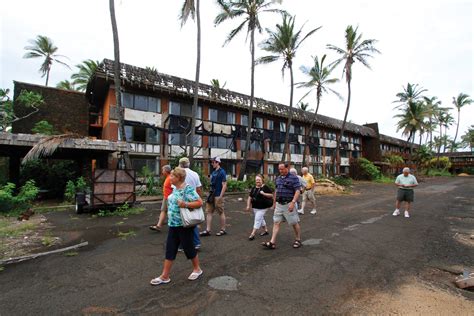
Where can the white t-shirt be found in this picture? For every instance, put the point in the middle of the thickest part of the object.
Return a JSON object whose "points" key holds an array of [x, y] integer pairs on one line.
{"points": [[408, 180], [192, 178]]}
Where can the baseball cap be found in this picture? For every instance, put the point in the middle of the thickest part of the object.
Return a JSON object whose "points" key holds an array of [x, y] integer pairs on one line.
{"points": [[184, 160], [216, 159]]}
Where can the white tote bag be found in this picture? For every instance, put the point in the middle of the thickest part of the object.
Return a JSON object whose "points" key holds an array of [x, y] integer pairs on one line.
{"points": [[191, 216]]}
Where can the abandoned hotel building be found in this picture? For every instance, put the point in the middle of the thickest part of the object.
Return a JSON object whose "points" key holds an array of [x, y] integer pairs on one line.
{"points": [[157, 112]]}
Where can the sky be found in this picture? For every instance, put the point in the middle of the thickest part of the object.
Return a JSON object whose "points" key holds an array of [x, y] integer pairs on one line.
{"points": [[423, 42]]}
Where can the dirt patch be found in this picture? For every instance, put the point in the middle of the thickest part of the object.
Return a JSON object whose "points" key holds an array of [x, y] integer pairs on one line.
{"points": [[466, 239], [414, 297], [18, 238]]}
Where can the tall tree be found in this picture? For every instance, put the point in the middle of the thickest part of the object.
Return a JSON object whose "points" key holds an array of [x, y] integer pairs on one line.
{"points": [[432, 106], [304, 106], [117, 74], [85, 70], [461, 100], [191, 9], [43, 47], [283, 44], [318, 81], [467, 140], [250, 10], [356, 50]]}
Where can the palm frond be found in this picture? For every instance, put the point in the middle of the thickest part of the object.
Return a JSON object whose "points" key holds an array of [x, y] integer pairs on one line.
{"points": [[187, 10], [47, 146]]}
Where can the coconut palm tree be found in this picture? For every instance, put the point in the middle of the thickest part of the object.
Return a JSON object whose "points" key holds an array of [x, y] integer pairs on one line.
{"points": [[191, 9], [67, 85], [432, 106], [303, 106], [411, 120], [467, 140], [43, 47], [118, 94], [85, 71], [216, 84], [283, 44], [250, 10], [461, 100], [356, 50], [318, 81]]}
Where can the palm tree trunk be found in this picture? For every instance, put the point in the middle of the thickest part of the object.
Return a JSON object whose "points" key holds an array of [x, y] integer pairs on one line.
{"points": [[196, 84], [338, 143], [118, 97], [243, 166], [431, 134], [457, 129], [310, 133], [286, 149], [47, 77]]}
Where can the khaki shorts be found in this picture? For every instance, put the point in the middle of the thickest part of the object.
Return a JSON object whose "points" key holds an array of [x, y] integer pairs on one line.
{"points": [[281, 212], [218, 206], [309, 195]]}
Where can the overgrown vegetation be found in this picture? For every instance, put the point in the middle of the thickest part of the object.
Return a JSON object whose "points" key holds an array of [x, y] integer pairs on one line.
{"points": [[43, 127], [9, 230], [11, 203], [73, 188], [150, 183], [368, 169], [342, 180], [124, 211]]}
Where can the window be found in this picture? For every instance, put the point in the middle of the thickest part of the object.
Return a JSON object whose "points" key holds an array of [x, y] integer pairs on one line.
{"points": [[271, 168], [180, 139], [139, 164], [316, 133], [356, 140], [277, 147], [141, 102], [282, 127], [221, 116], [257, 122], [142, 134], [219, 142], [296, 129], [355, 154], [345, 138], [184, 109], [256, 146], [244, 120], [295, 149], [331, 135], [270, 124], [329, 152], [228, 167]]}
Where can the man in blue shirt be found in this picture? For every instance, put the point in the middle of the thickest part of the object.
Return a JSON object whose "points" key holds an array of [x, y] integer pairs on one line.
{"points": [[286, 194], [215, 201]]}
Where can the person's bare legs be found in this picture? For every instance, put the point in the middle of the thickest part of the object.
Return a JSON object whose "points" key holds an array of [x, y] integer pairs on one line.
{"points": [[397, 205], [161, 219], [297, 229], [276, 229], [407, 206], [222, 216], [165, 274], [195, 262]]}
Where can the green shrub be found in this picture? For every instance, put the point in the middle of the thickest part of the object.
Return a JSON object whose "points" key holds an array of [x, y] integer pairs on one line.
{"points": [[394, 159], [384, 179], [441, 163], [270, 184], [206, 183], [43, 127], [150, 182], [369, 169], [73, 188], [438, 173], [23, 200], [236, 186], [342, 180]]}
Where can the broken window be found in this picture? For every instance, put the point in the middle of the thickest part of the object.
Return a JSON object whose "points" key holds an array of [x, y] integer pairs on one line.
{"points": [[141, 102], [244, 120], [220, 142], [142, 134], [184, 109]]}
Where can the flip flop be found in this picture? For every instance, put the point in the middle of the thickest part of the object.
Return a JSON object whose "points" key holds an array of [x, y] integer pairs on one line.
{"points": [[158, 281], [195, 275], [269, 245], [205, 233], [297, 244], [154, 227], [221, 233], [264, 234]]}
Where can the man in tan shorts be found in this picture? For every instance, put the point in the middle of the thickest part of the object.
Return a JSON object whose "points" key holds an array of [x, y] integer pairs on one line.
{"points": [[215, 200], [308, 193]]}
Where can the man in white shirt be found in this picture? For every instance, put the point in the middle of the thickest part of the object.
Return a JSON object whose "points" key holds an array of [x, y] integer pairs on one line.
{"points": [[192, 178], [405, 182]]}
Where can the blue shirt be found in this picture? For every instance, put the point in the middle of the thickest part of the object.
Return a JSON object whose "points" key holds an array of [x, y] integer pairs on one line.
{"points": [[286, 186], [187, 194], [217, 177]]}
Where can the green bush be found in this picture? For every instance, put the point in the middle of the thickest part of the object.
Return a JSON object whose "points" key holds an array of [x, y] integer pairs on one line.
{"points": [[206, 183], [236, 186], [73, 188], [438, 173], [150, 182], [441, 163], [342, 180], [369, 169], [44, 128], [23, 200]]}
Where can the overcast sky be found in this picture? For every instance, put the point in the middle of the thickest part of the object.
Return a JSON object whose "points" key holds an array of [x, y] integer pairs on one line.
{"points": [[424, 42]]}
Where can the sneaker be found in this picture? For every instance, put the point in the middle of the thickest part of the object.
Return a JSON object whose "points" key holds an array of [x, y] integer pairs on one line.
{"points": [[301, 212], [396, 212], [313, 211], [407, 214], [197, 247]]}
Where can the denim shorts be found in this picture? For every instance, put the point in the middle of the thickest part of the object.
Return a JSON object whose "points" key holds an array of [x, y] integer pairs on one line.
{"points": [[281, 212]]}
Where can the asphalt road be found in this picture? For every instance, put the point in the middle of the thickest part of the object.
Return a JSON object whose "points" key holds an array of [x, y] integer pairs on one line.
{"points": [[357, 244]]}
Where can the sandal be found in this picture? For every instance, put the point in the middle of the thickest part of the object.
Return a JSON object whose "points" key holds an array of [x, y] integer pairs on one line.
{"points": [[268, 245], [297, 244], [158, 281], [221, 233], [251, 237], [264, 234], [205, 233], [195, 275], [155, 228]]}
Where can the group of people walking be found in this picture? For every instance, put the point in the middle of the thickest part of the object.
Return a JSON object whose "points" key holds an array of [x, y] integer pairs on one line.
{"points": [[183, 189]]}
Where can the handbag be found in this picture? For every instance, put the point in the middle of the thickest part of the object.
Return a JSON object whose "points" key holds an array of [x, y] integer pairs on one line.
{"points": [[191, 217]]}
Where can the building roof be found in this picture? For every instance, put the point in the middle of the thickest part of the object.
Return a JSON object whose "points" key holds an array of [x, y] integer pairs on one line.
{"points": [[395, 141], [156, 81]]}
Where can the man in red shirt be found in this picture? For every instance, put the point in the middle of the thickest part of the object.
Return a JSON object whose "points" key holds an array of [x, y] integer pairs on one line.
{"points": [[167, 190]]}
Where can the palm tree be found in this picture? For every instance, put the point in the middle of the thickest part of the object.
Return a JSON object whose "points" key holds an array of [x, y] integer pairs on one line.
{"points": [[318, 81], [118, 94], [356, 50], [85, 71], [191, 8], [445, 119], [250, 10], [432, 106], [67, 85], [217, 85], [461, 100], [411, 120], [467, 140], [43, 47], [283, 44], [303, 106]]}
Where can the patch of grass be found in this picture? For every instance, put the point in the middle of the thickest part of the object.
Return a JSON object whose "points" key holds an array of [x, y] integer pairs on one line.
{"points": [[71, 254], [384, 179], [120, 223], [9, 229], [125, 235], [47, 241], [123, 211], [2, 268], [438, 173], [48, 209]]}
